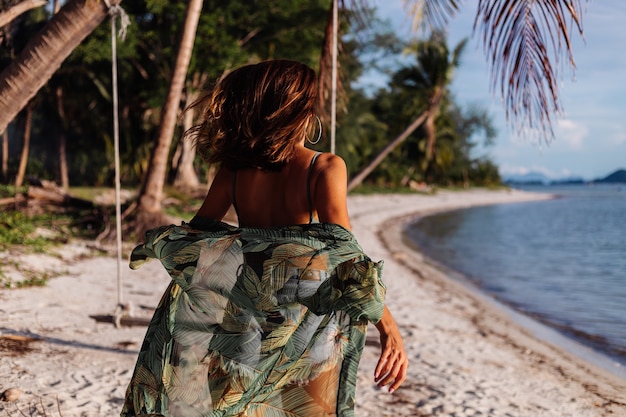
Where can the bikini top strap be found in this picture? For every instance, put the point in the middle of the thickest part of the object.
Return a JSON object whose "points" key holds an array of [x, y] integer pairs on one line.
{"points": [[308, 186]]}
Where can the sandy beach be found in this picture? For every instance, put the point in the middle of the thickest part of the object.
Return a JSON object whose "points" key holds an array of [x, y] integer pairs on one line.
{"points": [[468, 356]]}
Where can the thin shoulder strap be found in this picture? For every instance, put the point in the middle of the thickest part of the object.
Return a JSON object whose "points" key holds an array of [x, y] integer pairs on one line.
{"points": [[308, 186], [234, 191]]}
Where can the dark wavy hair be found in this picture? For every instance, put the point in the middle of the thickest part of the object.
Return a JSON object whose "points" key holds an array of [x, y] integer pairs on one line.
{"points": [[255, 115]]}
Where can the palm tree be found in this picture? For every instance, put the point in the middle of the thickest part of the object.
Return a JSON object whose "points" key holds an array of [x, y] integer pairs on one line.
{"points": [[21, 170], [425, 85], [431, 76], [149, 208], [44, 53], [517, 35], [185, 155], [523, 41]]}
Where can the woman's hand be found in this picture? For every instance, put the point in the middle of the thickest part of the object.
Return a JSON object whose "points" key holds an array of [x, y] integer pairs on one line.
{"points": [[392, 366]]}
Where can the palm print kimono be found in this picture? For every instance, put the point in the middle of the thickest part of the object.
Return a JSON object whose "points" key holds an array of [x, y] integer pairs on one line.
{"points": [[256, 321]]}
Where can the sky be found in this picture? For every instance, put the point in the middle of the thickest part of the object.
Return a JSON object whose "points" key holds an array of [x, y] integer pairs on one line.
{"points": [[590, 134]]}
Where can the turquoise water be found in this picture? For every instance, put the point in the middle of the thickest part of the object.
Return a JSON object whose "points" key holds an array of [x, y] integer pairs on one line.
{"points": [[560, 261]]}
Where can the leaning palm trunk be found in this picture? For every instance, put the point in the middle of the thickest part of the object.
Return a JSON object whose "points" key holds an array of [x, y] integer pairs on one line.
{"points": [[45, 53], [149, 209], [358, 178], [8, 15]]}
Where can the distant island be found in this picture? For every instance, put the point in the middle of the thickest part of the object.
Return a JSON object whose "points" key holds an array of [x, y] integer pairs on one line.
{"points": [[537, 178], [617, 176]]}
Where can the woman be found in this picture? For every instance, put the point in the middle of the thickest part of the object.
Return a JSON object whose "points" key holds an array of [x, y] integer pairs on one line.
{"points": [[268, 318]]}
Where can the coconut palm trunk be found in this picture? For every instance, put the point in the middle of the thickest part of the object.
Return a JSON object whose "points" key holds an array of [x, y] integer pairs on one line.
{"points": [[8, 15], [62, 141], [358, 178], [149, 208], [44, 54], [186, 177], [5, 155], [21, 170]]}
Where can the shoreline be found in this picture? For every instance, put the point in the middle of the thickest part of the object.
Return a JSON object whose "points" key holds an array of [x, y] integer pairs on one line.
{"points": [[467, 358], [540, 330], [496, 357]]}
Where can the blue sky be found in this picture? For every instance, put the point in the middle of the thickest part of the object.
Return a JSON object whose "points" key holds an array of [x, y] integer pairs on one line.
{"points": [[590, 135]]}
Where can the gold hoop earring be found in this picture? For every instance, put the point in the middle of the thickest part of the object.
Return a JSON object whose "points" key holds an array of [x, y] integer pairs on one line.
{"points": [[319, 133]]}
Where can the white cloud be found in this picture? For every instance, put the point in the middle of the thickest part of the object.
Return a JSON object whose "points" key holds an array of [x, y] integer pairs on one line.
{"points": [[571, 133]]}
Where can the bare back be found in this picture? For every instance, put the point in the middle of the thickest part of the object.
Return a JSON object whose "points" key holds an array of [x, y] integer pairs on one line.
{"points": [[266, 199], [270, 199]]}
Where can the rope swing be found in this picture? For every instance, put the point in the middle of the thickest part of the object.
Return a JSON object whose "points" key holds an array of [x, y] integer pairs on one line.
{"points": [[115, 11], [333, 100]]}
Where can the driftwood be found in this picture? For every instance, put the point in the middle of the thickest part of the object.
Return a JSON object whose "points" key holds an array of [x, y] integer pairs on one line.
{"points": [[11, 200], [121, 321], [43, 197], [47, 192]]}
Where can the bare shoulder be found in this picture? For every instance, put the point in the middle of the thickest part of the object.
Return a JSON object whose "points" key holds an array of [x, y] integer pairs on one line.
{"points": [[331, 189], [329, 164]]}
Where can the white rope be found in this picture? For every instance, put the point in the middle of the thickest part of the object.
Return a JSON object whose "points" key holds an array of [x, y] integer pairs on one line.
{"points": [[116, 11], [333, 90]]}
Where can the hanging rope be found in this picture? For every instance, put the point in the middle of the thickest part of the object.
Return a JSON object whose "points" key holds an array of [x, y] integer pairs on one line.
{"points": [[333, 100], [116, 11]]}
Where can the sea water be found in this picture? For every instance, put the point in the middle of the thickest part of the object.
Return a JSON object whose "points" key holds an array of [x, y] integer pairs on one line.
{"points": [[560, 261]]}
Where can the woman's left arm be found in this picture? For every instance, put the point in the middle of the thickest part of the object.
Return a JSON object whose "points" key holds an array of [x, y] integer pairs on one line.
{"points": [[218, 199], [393, 363], [331, 205]]}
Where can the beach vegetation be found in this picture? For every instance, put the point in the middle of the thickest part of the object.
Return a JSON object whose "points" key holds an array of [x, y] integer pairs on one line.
{"points": [[18, 228]]}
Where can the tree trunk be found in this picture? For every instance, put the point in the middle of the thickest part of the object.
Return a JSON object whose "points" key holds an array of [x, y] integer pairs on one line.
{"points": [[5, 155], [44, 54], [21, 171], [8, 15], [62, 142], [151, 193], [358, 178], [429, 125], [186, 177], [431, 137]]}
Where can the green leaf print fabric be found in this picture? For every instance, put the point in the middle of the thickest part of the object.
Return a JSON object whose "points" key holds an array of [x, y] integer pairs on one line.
{"points": [[256, 321]]}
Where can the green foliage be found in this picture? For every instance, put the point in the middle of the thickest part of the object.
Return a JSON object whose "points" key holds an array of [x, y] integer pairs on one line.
{"points": [[369, 188], [16, 228], [9, 190], [232, 33], [36, 280], [412, 89], [181, 205]]}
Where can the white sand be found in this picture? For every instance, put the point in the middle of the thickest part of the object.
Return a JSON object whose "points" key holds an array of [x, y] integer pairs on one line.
{"points": [[468, 357]]}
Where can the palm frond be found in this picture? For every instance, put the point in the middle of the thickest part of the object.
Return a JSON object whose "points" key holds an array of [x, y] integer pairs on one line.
{"points": [[524, 41], [357, 11], [434, 14]]}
